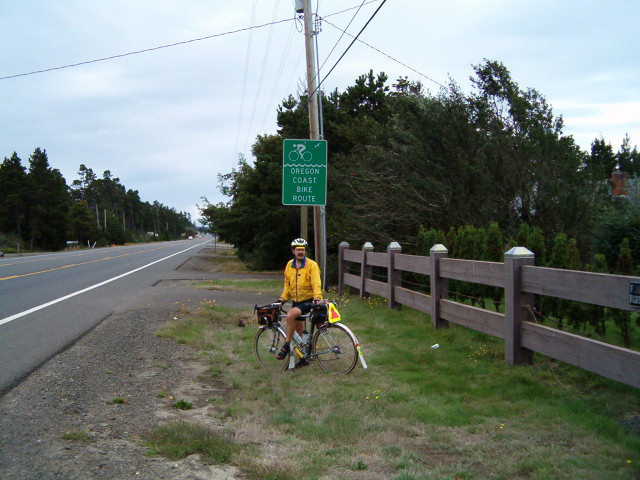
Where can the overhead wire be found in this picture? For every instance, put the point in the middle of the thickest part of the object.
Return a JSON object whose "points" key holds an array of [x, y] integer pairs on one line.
{"points": [[265, 58], [170, 45], [246, 72], [146, 50], [350, 45], [385, 54], [341, 35], [285, 55]]}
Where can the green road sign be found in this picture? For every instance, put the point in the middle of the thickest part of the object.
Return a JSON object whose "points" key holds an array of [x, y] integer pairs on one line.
{"points": [[304, 172]]}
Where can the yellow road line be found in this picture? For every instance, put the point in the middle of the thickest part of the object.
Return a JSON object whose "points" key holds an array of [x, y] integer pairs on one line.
{"points": [[78, 264], [50, 258]]}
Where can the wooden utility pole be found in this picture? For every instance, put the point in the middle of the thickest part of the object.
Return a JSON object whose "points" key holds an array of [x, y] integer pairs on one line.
{"points": [[314, 121]]}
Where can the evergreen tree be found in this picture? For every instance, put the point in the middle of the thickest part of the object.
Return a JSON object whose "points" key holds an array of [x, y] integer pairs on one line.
{"points": [[552, 306], [82, 224], [573, 311], [48, 203], [596, 315], [622, 318], [13, 195], [535, 243], [495, 253]]}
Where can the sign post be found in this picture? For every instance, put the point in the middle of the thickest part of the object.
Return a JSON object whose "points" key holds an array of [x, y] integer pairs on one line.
{"points": [[304, 172]]}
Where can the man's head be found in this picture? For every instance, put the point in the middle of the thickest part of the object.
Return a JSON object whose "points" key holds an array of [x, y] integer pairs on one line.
{"points": [[299, 248]]}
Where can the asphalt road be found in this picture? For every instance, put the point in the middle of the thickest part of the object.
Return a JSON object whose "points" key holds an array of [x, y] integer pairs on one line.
{"points": [[48, 301]]}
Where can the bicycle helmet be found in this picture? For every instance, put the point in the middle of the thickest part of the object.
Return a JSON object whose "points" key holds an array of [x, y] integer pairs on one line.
{"points": [[299, 242]]}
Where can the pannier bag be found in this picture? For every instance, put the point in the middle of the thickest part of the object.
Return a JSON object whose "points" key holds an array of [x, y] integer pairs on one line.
{"points": [[267, 314], [319, 314]]}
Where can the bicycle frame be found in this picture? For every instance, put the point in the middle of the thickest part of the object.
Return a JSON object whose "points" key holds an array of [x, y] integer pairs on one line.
{"points": [[330, 343], [306, 348]]}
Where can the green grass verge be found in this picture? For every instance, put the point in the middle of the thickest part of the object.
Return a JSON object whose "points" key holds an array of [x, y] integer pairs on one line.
{"points": [[456, 412], [258, 285]]}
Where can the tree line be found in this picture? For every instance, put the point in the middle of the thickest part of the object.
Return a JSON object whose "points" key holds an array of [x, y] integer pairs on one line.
{"points": [[402, 159], [40, 211]]}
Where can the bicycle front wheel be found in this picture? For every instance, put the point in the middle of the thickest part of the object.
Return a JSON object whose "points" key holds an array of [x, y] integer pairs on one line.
{"points": [[335, 349], [267, 344]]}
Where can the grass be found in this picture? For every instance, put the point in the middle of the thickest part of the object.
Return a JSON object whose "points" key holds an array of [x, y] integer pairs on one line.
{"points": [[76, 436], [258, 285], [179, 439], [456, 412]]}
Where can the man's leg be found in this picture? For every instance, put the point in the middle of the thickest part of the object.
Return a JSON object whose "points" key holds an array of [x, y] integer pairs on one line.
{"points": [[292, 323], [291, 327]]}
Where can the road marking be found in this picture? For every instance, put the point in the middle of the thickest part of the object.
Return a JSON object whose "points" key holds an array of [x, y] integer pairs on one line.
{"points": [[78, 264], [66, 297], [8, 262]]}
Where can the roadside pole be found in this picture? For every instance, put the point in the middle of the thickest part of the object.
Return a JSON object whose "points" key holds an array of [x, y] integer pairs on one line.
{"points": [[314, 129]]}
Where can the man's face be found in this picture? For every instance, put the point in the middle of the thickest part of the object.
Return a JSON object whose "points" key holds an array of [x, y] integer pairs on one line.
{"points": [[299, 253]]}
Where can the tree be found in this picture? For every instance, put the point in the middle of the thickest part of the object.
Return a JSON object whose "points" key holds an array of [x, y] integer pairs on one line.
{"points": [[81, 189], [82, 224], [602, 162], [627, 158], [13, 195], [49, 203], [622, 318], [494, 253], [596, 315], [114, 234]]}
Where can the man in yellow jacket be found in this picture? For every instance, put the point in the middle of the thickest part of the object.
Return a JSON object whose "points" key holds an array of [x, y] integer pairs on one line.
{"points": [[302, 284]]}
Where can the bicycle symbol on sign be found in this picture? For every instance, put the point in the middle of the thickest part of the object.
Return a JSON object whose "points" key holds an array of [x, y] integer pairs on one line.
{"points": [[300, 153]]}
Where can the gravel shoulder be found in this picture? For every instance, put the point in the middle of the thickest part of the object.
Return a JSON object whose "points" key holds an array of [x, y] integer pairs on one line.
{"points": [[61, 422]]}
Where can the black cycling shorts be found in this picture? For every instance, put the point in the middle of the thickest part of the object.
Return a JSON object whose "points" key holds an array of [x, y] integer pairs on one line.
{"points": [[305, 307]]}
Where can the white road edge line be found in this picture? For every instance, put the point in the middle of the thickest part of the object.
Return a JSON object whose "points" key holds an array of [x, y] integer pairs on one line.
{"points": [[66, 297]]}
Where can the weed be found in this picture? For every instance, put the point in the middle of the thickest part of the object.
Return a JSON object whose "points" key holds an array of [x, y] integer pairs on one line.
{"points": [[116, 401], [76, 436], [183, 405], [359, 466], [178, 439]]}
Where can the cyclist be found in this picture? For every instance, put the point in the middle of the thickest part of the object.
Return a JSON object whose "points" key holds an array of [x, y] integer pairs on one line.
{"points": [[302, 284]]}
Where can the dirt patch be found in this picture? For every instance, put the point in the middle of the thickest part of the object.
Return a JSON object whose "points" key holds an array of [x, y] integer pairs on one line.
{"points": [[84, 414]]}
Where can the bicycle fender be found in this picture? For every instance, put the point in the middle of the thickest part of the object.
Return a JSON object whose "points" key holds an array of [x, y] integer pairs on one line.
{"points": [[355, 340]]}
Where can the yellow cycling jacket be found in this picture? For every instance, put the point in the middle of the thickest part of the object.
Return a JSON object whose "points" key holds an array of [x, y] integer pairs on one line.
{"points": [[303, 282]]}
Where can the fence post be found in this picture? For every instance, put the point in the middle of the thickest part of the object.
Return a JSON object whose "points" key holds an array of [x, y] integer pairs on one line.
{"points": [[341, 267], [365, 270], [394, 277], [439, 286], [516, 302]]}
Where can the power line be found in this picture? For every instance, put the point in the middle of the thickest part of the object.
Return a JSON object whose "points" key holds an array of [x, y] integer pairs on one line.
{"points": [[350, 8], [146, 50], [176, 44], [345, 52], [386, 55], [342, 35], [265, 59], [246, 71]]}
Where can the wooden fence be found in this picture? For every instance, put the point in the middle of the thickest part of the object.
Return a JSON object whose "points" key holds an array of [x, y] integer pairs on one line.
{"points": [[521, 280]]}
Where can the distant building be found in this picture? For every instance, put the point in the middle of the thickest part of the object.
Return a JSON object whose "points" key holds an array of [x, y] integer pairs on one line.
{"points": [[619, 180]]}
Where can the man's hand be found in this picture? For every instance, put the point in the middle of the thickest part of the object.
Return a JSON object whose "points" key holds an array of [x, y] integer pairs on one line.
{"points": [[317, 300]]}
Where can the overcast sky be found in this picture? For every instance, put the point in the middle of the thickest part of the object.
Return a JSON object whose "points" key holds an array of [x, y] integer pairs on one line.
{"points": [[169, 120]]}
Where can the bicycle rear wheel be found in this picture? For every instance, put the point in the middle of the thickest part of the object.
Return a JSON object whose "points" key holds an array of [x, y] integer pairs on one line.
{"points": [[267, 344], [335, 349]]}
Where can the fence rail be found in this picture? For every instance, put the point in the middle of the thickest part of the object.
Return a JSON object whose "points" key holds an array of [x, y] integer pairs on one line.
{"points": [[521, 280]]}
